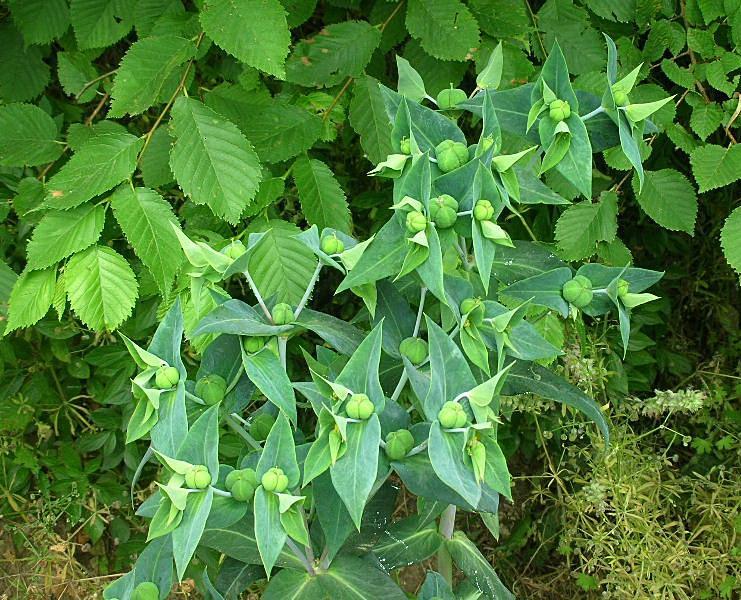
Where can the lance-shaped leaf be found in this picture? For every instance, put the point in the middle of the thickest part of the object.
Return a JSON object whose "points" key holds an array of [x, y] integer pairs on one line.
{"points": [[410, 82], [544, 289], [555, 74], [408, 541], [639, 112], [481, 397], [237, 318], [601, 276], [201, 445], [266, 371], [469, 559], [188, 533], [447, 455], [360, 374], [354, 474], [269, 533], [558, 144], [143, 358], [504, 162], [431, 270], [491, 75]]}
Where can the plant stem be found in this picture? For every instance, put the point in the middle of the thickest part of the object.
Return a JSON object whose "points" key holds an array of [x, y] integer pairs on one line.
{"points": [[234, 420], [597, 111], [301, 556], [309, 290], [420, 311], [282, 348], [444, 560], [256, 292]]}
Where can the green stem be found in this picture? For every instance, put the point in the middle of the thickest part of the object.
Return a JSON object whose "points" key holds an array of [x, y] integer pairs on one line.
{"points": [[309, 290], [444, 560]]}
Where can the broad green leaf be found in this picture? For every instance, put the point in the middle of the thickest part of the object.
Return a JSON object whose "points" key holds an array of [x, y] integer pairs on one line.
{"points": [[266, 372], [212, 161], [101, 287], [201, 444], [407, 542], [568, 24], [31, 298], [342, 335], [410, 83], [669, 199], [353, 475], [147, 219], [24, 74], [40, 21], [269, 532], [544, 289], [730, 239], [469, 559], [447, 451], [431, 270], [253, 31], [27, 136], [338, 51], [369, 119], [715, 166], [188, 533], [100, 23], [280, 451], [99, 165], [281, 264], [445, 28], [155, 161], [556, 150], [323, 202], [491, 75], [145, 71], [75, 71], [582, 225], [639, 112], [238, 318], [360, 373], [60, 234]]}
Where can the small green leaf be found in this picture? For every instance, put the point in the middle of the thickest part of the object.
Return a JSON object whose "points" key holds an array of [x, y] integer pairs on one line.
{"points": [[31, 298]]}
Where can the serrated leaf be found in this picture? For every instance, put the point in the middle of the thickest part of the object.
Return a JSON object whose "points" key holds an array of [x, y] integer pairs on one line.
{"points": [[730, 239], [75, 71], [706, 117], [147, 219], [102, 162], [27, 136], [253, 31], [212, 161], [668, 198], [281, 264], [582, 45], [24, 73], [322, 199], [155, 161], [101, 287], [144, 71], [40, 21], [337, 51], [31, 298], [715, 166], [582, 225], [446, 29], [61, 233], [369, 119], [100, 23]]}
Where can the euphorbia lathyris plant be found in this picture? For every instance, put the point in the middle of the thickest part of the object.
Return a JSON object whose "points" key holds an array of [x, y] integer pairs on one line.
{"points": [[451, 305]]}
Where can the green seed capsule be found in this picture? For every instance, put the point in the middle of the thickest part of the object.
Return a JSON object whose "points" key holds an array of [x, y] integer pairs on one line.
{"points": [[211, 388], [414, 348], [559, 110], [483, 210], [166, 378], [234, 250], [398, 444], [405, 145], [416, 222], [450, 98], [578, 291], [198, 477], [620, 97], [444, 211], [451, 155], [623, 287], [331, 244], [474, 308], [253, 344], [360, 407], [282, 314], [274, 480], [242, 484], [452, 415]]}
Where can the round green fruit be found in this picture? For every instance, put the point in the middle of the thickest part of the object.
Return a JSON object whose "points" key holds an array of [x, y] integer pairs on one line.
{"points": [[198, 477], [450, 98], [485, 144], [360, 407], [282, 314], [398, 444], [444, 211], [331, 244], [451, 155], [559, 110], [261, 425], [274, 480], [620, 97], [483, 210], [578, 291], [452, 415], [416, 221], [166, 378], [474, 308], [234, 250], [405, 146], [253, 344], [623, 287], [211, 388], [414, 348], [146, 590], [242, 484]]}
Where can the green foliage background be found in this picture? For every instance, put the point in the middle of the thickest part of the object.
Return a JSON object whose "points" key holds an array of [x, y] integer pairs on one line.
{"points": [[91, 90]]}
